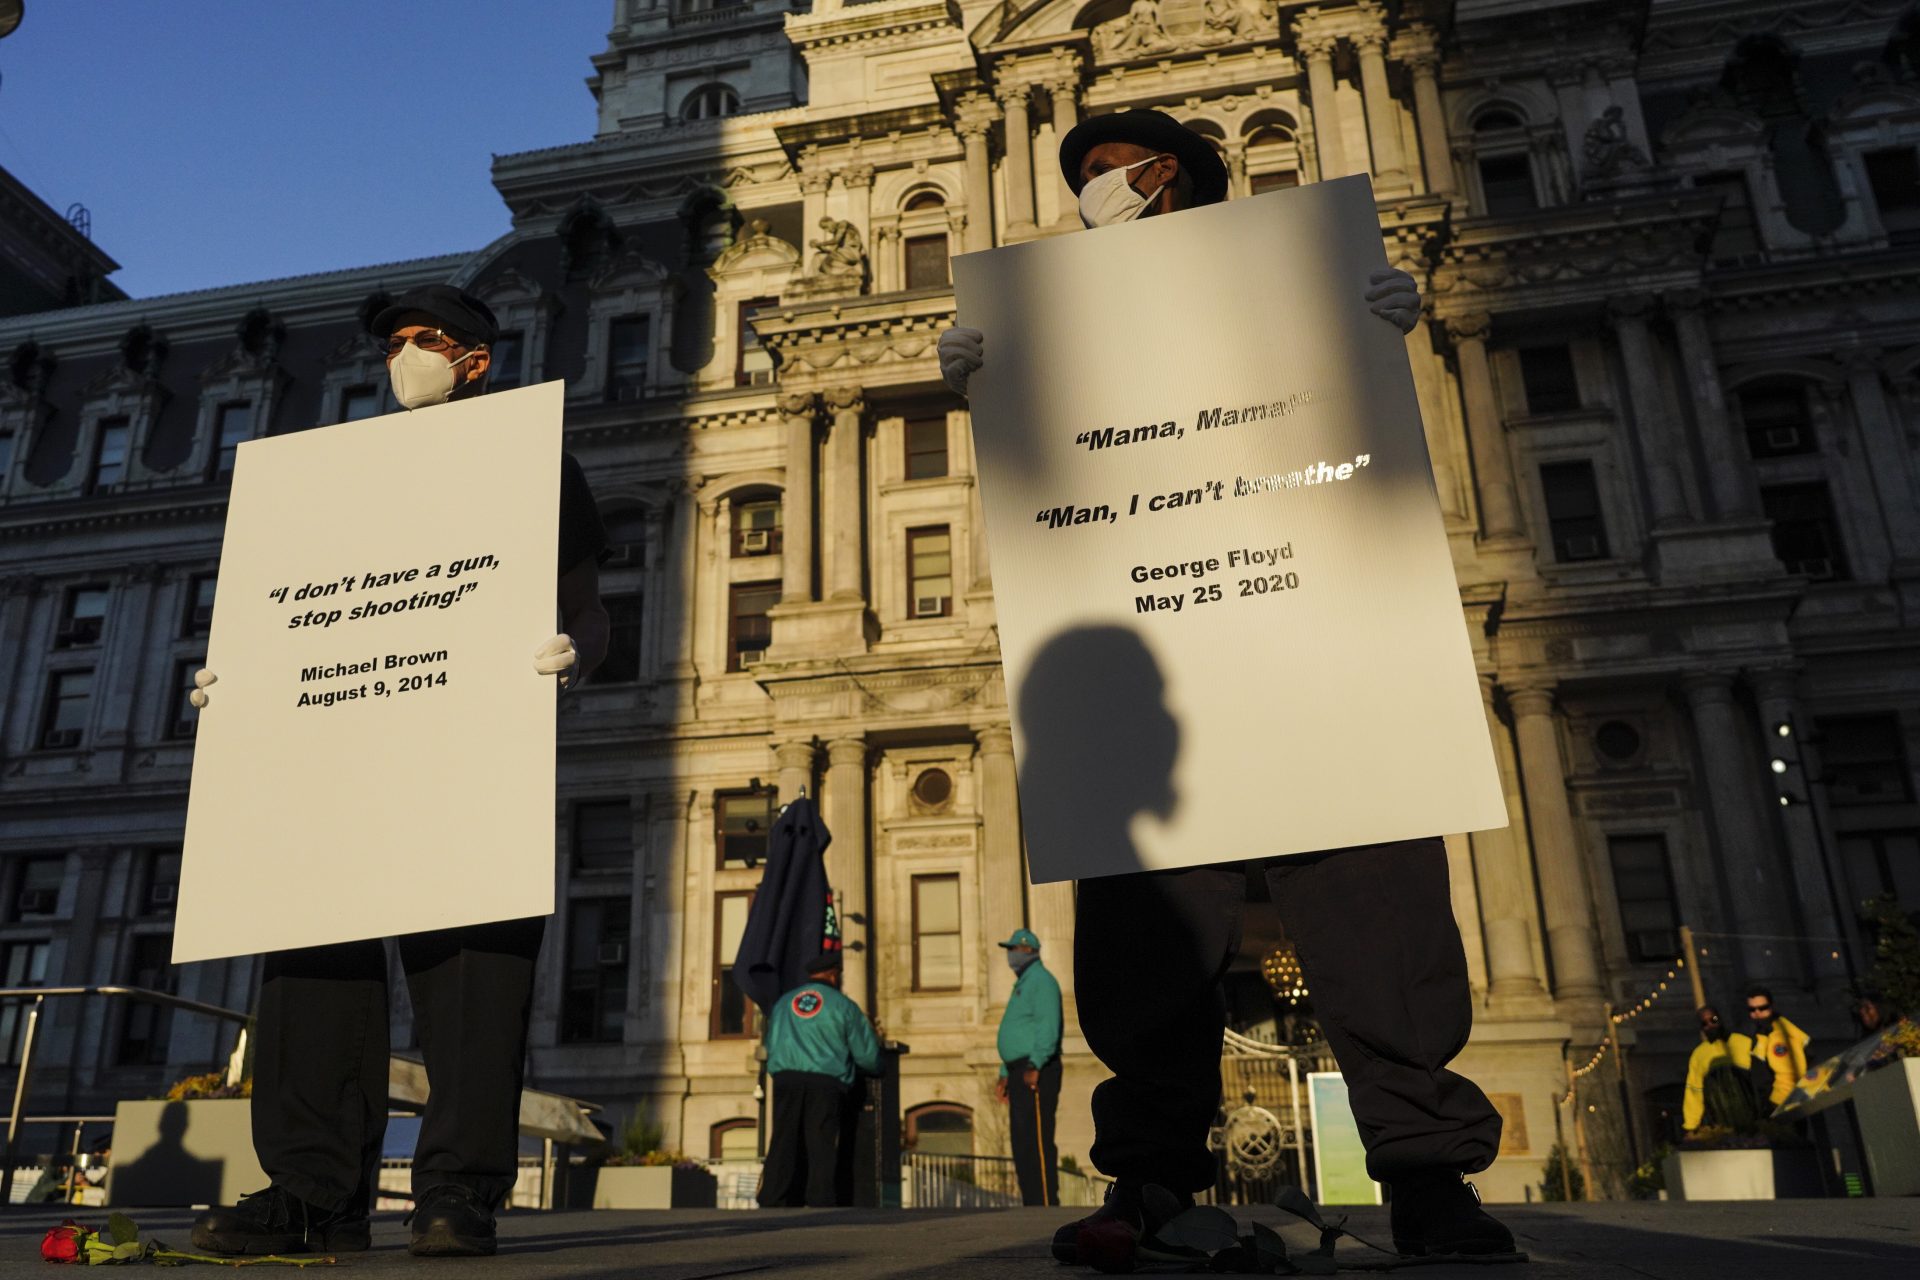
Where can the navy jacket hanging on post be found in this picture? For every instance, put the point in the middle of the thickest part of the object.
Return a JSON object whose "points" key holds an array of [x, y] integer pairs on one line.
{"points": [[792, 919]]}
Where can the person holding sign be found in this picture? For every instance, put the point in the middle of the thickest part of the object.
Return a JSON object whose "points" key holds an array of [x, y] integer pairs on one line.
{"points": [[1372, 925], [321, 1041]]}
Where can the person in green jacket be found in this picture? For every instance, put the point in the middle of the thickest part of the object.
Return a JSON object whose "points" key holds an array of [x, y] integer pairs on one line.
{"points": [[1030, 1069], [818, 1043]]}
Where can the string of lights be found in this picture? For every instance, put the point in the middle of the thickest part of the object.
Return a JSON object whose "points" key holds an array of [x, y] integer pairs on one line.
{"points": [[1593, 1065], [1647, 1001]]}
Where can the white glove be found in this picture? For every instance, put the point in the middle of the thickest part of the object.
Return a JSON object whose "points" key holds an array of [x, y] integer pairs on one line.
{"points": [[1394, 297], [959, 357], [556, 658], [201, 679]]}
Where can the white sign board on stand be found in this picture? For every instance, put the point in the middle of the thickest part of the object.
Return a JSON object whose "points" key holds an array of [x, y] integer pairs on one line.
{"points": [[1227, 609], [377, 756]]}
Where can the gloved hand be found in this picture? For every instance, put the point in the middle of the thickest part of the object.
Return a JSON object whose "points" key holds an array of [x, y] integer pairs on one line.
{"points": [[556, 657], [1393, 296], [959, 357], [201, 679]]}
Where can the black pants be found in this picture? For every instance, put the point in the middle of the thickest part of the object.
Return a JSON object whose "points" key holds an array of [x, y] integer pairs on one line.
{"points": [[811, 1116], [1382, 958], [1030, 1127], [321, 1054]]}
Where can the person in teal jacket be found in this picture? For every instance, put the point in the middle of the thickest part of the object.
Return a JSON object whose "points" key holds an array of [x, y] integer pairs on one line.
{"points": [[818, 1044], [1030, 1069]]}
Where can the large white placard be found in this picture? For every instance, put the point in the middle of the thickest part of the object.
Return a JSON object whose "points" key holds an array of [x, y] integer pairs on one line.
{"points": [[1228, 614], [378, 754]]}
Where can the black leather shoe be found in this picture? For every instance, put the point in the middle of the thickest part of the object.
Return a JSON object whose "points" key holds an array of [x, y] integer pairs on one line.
{"points": [[1134, 1205], [451, 1221], [277, 1221], [1438, 1215]]}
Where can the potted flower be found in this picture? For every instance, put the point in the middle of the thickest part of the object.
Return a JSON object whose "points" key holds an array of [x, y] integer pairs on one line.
{"points": [[1756, 1161], [194, 1146], [1886, 1090], [644, 1175]]}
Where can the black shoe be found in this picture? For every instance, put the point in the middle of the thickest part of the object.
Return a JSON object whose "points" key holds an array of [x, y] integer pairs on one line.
{"points": [[277, 1221], [1135, 1206], [1438, 1215], [451, 1221]]}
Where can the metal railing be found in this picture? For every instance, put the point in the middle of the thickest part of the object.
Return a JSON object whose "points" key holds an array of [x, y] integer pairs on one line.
{"points": [[940, 1181], [29, 1040]]}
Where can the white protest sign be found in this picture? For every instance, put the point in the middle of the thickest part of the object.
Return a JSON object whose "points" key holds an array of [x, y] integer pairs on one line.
{"points": [[377, 755], [1228, 614]]}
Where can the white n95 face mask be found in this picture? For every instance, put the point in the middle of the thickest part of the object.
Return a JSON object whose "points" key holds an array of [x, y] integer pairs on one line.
{"points": [[421, 378], [1110, 198]]}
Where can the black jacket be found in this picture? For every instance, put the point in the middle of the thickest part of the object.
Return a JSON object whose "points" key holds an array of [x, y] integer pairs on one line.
{"points": [[792, 918]]}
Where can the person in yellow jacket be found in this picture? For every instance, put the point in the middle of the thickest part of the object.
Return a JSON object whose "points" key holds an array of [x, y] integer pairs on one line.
{"points": [[1779, 1042], [1716, 1075]]}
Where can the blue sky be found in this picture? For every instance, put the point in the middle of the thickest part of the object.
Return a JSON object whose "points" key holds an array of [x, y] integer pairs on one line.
{"points": [[221, 141]]}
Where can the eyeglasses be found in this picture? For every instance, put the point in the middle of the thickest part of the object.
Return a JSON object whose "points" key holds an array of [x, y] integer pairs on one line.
{"points": [[426, 340], [1759, 1008]]}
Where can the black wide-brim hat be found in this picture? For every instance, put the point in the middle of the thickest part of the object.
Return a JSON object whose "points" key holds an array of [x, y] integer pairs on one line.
{"points": [[454, 310], [1145, 127]]}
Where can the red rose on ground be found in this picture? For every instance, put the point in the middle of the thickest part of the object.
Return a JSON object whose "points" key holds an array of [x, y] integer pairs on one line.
{"points": [[1108, 1246], [64, 1243]]}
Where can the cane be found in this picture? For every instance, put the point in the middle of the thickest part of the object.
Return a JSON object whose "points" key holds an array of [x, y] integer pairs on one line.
{"points": [[1040, 1144]]}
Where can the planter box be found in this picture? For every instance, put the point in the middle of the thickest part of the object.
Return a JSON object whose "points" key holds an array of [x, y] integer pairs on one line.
{"points": [[653, 1187], [1759, 1174], [1888, 1104], [169, 1154]]}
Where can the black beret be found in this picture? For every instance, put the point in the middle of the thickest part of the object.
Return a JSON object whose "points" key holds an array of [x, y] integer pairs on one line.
{"points": [[1157, 130], [455, 310]]}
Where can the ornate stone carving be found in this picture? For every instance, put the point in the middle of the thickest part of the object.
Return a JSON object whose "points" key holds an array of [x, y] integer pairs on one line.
{"points": [[1474, 326], [841, 254], [1165, 26], [1606, 151]]}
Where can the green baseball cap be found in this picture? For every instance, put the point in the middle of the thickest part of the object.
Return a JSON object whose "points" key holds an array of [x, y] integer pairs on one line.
{"points": [[1022, 938]]}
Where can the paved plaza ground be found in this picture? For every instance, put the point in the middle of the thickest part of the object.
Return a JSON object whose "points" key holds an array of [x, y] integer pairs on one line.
{"points": [[1783, 1240]]}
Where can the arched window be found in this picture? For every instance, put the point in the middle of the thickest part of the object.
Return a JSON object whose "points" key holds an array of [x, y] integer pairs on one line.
{"points": [[626, 538], [940, 1129], [1495, 120], [1273, 159], [710, 101], [735, 1139], [756, 523], [926, 198]]}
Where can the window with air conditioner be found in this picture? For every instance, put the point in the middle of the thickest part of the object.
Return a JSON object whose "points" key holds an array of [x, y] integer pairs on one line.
{"points": [[756, 527], [749, 629], [628, 351], [36, 887], [69, 699], [593, 1003], [185, 719], [109, 464], [929, 572], [1806, 535], [742, 821], [1574, 514], [233, 424], [83, 617], [197, 619], [755, 366], [1777, 420]]}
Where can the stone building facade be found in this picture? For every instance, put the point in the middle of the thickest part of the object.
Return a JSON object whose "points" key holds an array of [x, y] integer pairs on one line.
{"points": [[1668, 373]]}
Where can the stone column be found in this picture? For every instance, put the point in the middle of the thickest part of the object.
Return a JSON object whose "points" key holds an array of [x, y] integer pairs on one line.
{"points": [[1237, 182], [1003, 876], [1813, 874], [1666, 497], [1748, 863], [128, 640], [682, 577], [1506, 908], [1564, 895], [844, 508], [1050, 914], [1317, 48], [846, 817], [1066, 114], [18, 700], [857, 181], [1886, 456], [793, 763], [1486, 429], [960, 427], [1019, 160], [813, 196], [976, 121], [1431, 388], [1736, 494], [796, 516], [1383, 125], [1424, 63]]}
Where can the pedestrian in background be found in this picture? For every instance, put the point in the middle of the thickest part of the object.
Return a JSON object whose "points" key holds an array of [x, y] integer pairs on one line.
{"points": [[818, 1045], [1029, 1083], [1776, 1042], [1717, 1095]]}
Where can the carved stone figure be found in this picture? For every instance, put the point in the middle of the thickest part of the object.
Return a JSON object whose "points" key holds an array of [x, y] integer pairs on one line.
{"points": [[1225, 22], [1606, 150], [1142, 32], [841, 252]]}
